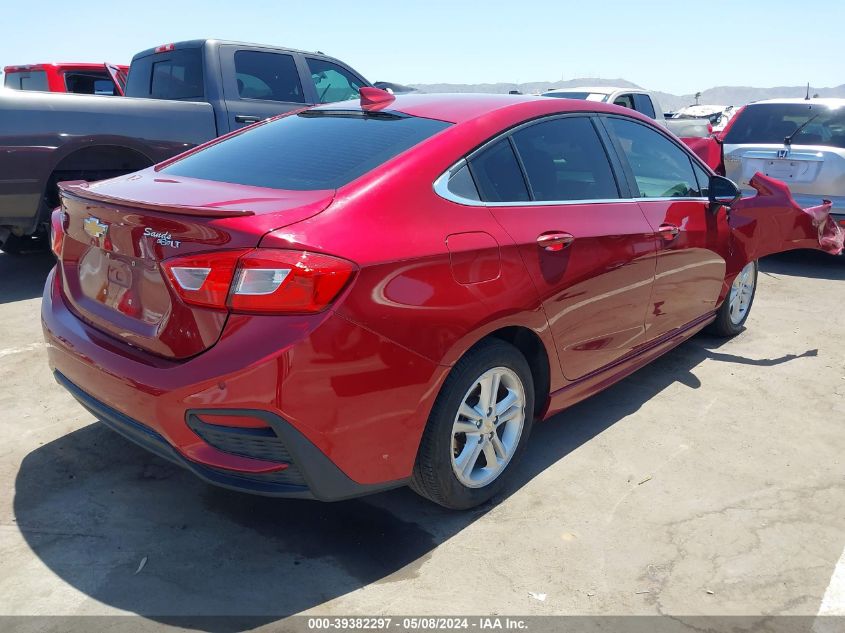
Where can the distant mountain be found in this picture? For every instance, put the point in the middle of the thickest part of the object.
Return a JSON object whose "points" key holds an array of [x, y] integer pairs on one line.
{"points": [[725, 95]]}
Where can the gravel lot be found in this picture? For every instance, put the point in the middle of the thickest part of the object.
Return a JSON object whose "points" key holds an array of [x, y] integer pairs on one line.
{"points": [[711, 482]]}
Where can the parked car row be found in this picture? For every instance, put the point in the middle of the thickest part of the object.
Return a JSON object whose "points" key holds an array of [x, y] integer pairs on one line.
{"points": [[177, 96], [640, 100]]}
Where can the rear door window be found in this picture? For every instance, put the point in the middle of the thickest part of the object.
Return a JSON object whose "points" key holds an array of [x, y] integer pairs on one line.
{"points": [[642, 103], [268, 76], [89, 83], [462, 185], [312, 150], [661, 169], [497, 174], [565, 160], [173, 75], [333, 82], [626, 101]]}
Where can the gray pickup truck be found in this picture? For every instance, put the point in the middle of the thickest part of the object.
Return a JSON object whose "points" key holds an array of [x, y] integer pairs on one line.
{"points": [[177, 96]]}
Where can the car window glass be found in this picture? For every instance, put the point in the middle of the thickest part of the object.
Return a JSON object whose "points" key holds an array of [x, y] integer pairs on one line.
{"points": [[89, 83], [333, 82], [703, 179], [462, 185], [565, 160], [32, 80], [268, 76], [177, 76], [661, 168], [643, 104], [497, 174], [626, 101], [588, 96], [312, 150], [771, 123]]}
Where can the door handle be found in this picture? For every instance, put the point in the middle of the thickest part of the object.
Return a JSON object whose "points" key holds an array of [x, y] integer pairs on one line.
{"points": [[247, 118], [554, 241], [668, 231]]}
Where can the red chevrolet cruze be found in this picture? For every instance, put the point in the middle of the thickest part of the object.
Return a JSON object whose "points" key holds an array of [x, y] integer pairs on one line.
{"points": [[367, 295]]}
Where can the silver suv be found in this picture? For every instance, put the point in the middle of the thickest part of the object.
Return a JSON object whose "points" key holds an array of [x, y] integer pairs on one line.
{"points": [[798, 141]]}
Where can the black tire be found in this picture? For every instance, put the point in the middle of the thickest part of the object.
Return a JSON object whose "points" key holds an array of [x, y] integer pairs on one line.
{"points": [[433, 475], [724, 326], [12, 245]]}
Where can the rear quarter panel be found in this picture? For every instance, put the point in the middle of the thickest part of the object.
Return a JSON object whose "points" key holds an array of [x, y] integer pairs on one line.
{"points": [[393, 225]]}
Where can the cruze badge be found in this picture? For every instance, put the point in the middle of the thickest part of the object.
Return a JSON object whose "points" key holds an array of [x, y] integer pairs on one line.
{"points": [[93, 227], [162, 237]]}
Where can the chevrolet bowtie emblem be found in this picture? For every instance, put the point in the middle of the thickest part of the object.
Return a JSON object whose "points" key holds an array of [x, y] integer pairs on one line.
{"points": [[94, 227]]}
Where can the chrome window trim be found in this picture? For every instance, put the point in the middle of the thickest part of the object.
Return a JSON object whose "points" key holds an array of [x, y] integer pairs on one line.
{"points": [[441, 184], [441, 188]]}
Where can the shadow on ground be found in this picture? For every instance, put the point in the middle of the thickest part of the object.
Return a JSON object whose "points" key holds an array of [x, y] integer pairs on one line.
{"points": [[23, 276], [805, 263], [141, 535]]}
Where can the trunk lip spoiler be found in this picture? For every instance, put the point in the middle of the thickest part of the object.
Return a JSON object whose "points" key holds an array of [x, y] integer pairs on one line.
{"points": [[79, 189]]}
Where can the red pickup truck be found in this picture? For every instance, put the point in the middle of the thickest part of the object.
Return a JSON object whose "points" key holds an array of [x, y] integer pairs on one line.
{"points": [[81, 78]]}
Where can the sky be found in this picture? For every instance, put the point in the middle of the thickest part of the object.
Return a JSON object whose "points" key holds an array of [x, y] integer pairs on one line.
{"points": [[678, 46]]}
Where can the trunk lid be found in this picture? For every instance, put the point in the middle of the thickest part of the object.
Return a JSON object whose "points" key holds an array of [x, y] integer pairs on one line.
{"points": [[118, 232]]}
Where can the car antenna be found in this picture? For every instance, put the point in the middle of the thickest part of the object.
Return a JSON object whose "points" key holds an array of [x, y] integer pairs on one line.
{"points": [[788, 139], [807, 98]]}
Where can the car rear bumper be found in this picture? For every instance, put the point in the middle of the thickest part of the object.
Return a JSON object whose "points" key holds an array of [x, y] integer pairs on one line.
{"points": [[317, 477], [325, 408]]}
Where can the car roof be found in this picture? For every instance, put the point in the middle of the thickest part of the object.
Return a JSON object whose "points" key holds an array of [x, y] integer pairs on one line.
{"points": [[215, 42], [57, 65], [831, 102], [603, 90], [462, 107]]}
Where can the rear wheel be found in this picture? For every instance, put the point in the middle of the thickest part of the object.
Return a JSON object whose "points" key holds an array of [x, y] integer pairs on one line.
{"points": [[736, 307], [478, 427]]}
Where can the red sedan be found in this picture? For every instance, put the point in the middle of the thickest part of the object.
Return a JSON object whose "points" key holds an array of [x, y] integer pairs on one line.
{"points": [[368, 295]]}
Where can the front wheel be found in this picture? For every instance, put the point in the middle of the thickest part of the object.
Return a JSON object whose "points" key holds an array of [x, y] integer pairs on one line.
{"points": [[478, 427], [736, 307]]}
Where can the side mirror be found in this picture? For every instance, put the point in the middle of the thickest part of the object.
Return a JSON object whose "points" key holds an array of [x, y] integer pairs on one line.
{"points": [[722, 192]]}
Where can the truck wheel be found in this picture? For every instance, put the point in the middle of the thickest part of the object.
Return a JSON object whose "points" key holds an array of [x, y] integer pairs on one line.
{"points": [[20, 244], [736, 307], [13, 244], [478, 427]]}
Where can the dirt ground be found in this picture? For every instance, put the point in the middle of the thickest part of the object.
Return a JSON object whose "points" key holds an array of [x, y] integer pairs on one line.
{"points": [[710, 482]]}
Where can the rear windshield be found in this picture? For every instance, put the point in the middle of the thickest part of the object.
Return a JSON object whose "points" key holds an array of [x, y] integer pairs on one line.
{"points": [[589, 96], [170, 75], [32, 80], [308, 151], [89, 83], [772, 122]]}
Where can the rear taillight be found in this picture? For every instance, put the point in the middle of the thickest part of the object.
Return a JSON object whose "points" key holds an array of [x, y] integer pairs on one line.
{"points": [[58, 222], [203, 280], [264, 280]]}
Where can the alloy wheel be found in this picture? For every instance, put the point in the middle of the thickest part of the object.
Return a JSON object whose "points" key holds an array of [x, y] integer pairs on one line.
{"points": [[742, 291], [487, 427]]}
